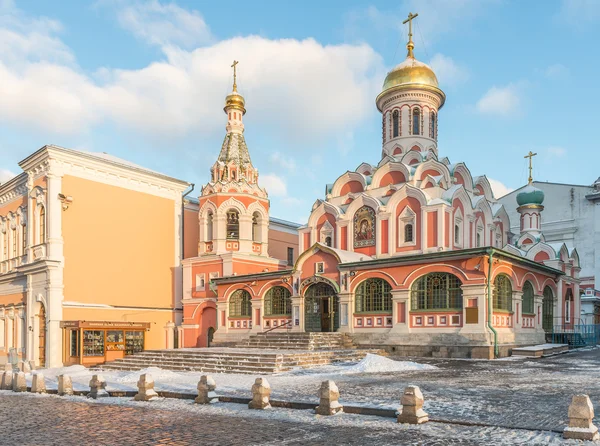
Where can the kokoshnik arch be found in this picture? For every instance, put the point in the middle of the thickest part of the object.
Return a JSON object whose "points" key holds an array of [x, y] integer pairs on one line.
{"points": [[100, 258]]}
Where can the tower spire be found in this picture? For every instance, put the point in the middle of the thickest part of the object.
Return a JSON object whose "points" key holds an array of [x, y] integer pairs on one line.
{"points": [[530, 155], [410, 46]]}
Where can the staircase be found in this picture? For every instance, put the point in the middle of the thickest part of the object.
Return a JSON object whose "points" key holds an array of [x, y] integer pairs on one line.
{"points": [[298, 341], [235, 360]]}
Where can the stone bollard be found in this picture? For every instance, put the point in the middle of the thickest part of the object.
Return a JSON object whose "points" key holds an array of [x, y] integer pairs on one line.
{"points": [[7, 379], [32, 365], [19, 383], [412, 407], [329, 404], [581, 414], [65, 385], [38, 384], [8, 367], [261, 391], [97, 387], [206, 390], [24, 367], [146, 390]]}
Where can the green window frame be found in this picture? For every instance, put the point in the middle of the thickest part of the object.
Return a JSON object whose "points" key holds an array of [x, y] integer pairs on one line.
{"points": [[502, 295], [528, 300], [437, 291], [278, 302], [374, 296], [240, 304]]}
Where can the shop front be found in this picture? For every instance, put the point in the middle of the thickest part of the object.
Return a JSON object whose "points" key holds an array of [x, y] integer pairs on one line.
{"points": [[90, 342]]}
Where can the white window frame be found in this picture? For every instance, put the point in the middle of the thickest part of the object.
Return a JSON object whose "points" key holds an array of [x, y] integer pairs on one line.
{"points": [[458, 221], [326, 231], [479, 232], [408, 216], [319, 267], [200, 282]]}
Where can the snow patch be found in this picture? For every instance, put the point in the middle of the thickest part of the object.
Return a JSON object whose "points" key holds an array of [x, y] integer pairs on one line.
{"points": [[380, 364]]}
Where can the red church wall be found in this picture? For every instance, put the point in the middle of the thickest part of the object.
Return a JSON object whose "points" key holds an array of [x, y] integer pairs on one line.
{"points": [[330, 264], [433, 173], [246, 200], [331, 219], [344, 237], [191, 233], [414, 204], [393, 177], [459, 179], [367, 250], [541, 256], [351, 186], [384, 236], [306, 240], [432, 229], [480, 189]]}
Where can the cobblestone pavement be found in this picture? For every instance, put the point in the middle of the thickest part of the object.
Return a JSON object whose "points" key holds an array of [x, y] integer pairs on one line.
{"points": [[525, 393], [29, 420]]}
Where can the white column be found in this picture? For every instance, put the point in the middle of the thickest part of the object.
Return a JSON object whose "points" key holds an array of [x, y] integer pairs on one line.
{"points": [[474, 292], [346, 310], [559, 303], [400, 296], [517, 298], [245, 234], [257, 323]]}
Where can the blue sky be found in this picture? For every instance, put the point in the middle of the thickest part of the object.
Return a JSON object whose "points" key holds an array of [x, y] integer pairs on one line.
{"points": [[146, 81]]}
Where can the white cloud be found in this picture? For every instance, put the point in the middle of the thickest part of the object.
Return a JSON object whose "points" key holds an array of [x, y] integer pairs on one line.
{"points": [[578, 13], [292, 201], [556, 71], [274, 184], [5, 175], [283, 161], [557, 152], [447, 71], [499, 100], [162, 23], [498, 188], [182, 94]]}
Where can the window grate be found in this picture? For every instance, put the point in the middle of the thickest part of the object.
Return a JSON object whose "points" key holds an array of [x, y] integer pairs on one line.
{"points": [[278, 301], [502, 296], [240, 304], [373, 295], [437, 291]]}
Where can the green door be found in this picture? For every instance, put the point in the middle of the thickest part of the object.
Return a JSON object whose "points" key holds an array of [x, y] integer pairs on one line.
{"points": [[548, 310], [321, 308]]}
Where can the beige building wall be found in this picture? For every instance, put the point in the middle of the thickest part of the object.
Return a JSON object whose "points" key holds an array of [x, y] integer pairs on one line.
{"points": [[119, 249], [191, 232], [280, 241]]}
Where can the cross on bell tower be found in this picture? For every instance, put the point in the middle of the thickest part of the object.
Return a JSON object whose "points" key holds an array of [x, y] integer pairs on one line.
{"points": [[410, 45]]}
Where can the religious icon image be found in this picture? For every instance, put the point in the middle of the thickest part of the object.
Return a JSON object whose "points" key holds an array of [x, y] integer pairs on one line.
{"points": [[364, 227]]}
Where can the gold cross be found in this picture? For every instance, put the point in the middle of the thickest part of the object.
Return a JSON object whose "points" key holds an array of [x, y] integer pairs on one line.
{"points": [[410, 44], [235, 62], [530, 156]]}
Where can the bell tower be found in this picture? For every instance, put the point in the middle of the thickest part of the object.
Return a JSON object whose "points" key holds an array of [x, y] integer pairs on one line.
{"points": [[234, 209]]}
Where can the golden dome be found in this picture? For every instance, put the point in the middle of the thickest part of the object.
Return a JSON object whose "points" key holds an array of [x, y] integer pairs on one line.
{"points": [[236, 101], [410, 72]]}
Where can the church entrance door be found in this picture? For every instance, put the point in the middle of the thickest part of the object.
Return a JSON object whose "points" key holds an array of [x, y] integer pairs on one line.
{"points": [[321, 305]]}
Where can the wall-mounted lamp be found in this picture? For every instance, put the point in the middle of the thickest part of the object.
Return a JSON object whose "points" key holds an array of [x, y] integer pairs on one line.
{"points": [[352, 273], [285, 280], [66, 200]]}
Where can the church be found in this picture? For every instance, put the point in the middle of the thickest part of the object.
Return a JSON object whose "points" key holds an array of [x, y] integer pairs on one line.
{"points": [[413, 254]]}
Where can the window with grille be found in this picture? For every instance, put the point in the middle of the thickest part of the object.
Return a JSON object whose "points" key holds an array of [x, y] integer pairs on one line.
{"points": [[395, 131], [233, 224], [290, 256], [528, 298], [432, 125], [240, 304], [255, 227], [502, 296], [373, 295], [416, 124], [328, 240], [209, 227], [437, 291], [14, 243], [42, 223], [408, 233], [278, 302]]}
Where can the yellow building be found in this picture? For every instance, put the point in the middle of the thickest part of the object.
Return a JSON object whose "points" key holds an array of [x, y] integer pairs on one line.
{"points": [[90, 255]]}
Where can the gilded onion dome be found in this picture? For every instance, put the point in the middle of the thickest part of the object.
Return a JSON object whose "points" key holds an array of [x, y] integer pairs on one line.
{"points": [[234, 100]]}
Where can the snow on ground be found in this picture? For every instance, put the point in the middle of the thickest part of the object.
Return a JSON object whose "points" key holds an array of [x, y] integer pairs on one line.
{"points": [[229, 383]]}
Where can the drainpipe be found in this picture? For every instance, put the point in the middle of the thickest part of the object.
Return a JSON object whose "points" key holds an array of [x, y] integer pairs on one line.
{"points": [[490, 253], [183, 219]]}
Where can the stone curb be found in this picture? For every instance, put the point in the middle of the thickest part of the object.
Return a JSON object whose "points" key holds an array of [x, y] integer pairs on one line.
{"points": [[356, 410]]}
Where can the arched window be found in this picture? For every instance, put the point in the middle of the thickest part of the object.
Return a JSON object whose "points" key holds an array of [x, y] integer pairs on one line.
{"points": [[478, 240], [42, 225], [395, 128], [432, 125], [233, 224], [328, 241], [256, 227], [456, 235], [209, 227], [502, 296], [416, 122], [373, 296], [240, 304], [437, 291], [5, 245], [528, 307], [278, 302], [568, 302], [408, 233]]}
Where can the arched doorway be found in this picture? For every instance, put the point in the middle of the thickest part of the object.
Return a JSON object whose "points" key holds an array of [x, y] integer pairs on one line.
{"points": [[321, 308], [210, 335], [42, 336]]}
